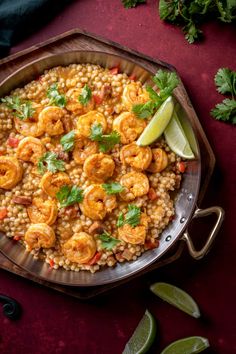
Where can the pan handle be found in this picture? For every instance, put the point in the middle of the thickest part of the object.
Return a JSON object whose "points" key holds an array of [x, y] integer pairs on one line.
{"points": [[205, 249]]}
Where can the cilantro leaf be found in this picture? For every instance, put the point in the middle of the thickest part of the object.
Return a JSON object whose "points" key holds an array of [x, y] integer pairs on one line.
{"points": [[144, 110], [21, 110], [68, 141], [105, 142], [107, 241], [225, 81], [120, 220], [96, 132], [132, 3], [55, 97], [68, 195], [113, 187], [85, 95], [132, 217], [166, 82], [191, 32], [49, 161], [226, 111]]}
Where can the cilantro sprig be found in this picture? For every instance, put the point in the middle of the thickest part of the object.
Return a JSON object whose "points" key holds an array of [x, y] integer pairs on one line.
{"points": [[49, 161], [166, 82], [107, 241], [55, 97], [105, 141], [68, 195], [225, 81], [68, 141], [132, 217], [113, 187], [189, 14], [21, 109], [85, 95], [132, 3]]}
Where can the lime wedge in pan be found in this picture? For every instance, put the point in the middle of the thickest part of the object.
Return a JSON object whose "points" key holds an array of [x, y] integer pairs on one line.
{"points": [[157, 124]]}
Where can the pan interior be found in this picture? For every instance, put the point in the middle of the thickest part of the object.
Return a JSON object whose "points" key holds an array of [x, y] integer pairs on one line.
{"points": [[185, 198]]}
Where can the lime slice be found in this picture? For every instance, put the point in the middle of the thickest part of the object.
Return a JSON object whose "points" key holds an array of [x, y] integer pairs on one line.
{"points": [[176, 297], [143, 336], [189, 345], [176, 138], [158, 123]]}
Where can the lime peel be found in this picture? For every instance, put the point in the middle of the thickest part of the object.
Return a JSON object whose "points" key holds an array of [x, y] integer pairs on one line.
{"points": [[158, 123], [188, 345], [143, 336], [176, 297]]}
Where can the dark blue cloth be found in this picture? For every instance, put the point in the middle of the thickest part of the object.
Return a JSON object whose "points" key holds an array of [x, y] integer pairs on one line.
{"points": [[19, 18]]}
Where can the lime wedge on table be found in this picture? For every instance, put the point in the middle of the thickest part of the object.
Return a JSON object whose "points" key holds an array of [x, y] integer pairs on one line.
{"points": [[158, 123], [176, 297], [143, 336], [176, 138], [189, 345]]}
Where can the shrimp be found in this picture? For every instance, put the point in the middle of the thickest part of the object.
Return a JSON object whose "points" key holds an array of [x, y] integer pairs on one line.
{"points": [[99, 167], [128, 126], [11, 172], [40, 235], [73, 104], [135, 185], [134, 235], [30, 149], [51, 119], [80, 248], [31, 126], [42, 211], [159, 161], [52, 182], [84, 147], [86, 121], [136, 156], [96, 203], [134, 94]]}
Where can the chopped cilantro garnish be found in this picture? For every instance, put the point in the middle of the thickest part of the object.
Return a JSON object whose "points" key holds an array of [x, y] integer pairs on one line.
{"points": [[68, 141], [85, 95], [21, 110], [49, 161], [105, 142], [132, 217], [55, 97], [107, 241], [68, 195], [113, 187]]}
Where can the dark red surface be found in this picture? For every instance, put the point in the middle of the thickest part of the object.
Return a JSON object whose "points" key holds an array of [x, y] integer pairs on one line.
{"points": [[52, 323]]}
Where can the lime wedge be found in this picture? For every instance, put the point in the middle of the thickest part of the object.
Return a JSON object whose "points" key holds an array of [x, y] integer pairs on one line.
{"points": [[143, 336], [176, 297], [189, 345], [176, 138], [158, 123]]}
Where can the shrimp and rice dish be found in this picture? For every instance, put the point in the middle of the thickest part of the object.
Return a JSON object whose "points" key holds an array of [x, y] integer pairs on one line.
{"points": [[75, 189]]}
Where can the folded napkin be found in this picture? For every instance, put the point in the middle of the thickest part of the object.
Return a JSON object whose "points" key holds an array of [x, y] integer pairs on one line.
{"points": [[19, 18]]}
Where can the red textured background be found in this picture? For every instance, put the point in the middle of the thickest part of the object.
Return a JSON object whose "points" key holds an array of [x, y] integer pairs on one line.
{"points": [[52, 323]]}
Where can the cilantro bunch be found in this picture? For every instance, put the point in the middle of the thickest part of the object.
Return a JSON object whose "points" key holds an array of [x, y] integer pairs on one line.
{"points": [[166, 82], [225, 81], [189, 14]]}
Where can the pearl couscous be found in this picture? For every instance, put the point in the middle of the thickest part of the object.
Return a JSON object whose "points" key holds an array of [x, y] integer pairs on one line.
{"points": [[75, 189]]}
